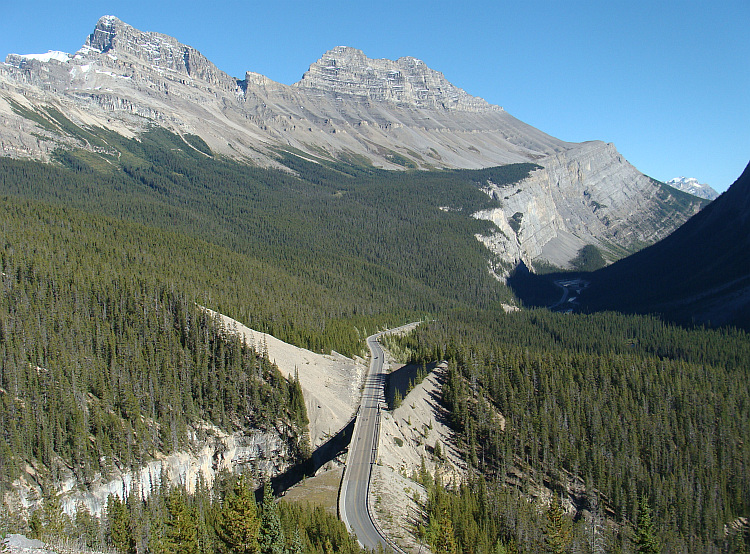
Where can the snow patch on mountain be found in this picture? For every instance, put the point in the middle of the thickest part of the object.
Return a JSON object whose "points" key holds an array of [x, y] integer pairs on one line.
{"points": [[56, 55], [692, 186]]}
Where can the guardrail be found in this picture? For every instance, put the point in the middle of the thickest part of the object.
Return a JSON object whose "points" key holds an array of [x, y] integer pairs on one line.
{"points": [[391, 544], [342, 486]]}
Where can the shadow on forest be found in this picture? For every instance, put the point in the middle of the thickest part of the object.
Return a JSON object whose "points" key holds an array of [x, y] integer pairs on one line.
{"points": [[538, 291], [326, 452]]}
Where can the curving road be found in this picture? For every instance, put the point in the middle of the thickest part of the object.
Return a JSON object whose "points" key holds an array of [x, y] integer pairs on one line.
{"points": [[355, 483]]}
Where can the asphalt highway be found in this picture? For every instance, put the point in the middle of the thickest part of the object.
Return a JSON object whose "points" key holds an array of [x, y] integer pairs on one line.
{"points": [[362, 454]]}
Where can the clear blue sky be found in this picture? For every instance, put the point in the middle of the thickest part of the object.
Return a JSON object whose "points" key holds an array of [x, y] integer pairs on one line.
{"points": [[667, 81]]}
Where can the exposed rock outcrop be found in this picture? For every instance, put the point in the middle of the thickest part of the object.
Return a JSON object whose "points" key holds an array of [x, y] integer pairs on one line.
{"points": [[346, 71], [265, 452], [585, 195]]}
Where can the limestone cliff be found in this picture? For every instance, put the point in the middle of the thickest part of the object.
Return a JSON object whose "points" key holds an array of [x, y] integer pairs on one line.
{"points": [[585, 195]]}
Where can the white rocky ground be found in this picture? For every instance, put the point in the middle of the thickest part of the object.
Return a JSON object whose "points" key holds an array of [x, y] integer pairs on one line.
{"points": [[408, 435], [331, 383]]}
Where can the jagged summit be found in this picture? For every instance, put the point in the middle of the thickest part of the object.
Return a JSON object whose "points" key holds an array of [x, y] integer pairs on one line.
{"points": [[407, 80], [104, 36], [113, 36], [692, 186]]}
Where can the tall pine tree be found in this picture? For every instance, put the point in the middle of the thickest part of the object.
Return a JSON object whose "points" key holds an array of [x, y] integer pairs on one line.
{"points": [[271, 537], [646, 541], [237, 522]]}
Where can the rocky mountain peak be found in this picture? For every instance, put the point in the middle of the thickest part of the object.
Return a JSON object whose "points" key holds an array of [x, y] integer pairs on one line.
{"points": [[104, 36], [347, 71], [155, 50], [692, 186]]}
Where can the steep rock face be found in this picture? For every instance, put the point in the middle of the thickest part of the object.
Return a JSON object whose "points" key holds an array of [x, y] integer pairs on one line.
{"points": [[155, 50], [585, 195], [266, 452], [698, 274], [346, 71]]}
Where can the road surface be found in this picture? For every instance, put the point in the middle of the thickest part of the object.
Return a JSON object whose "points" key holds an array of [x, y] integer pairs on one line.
{"points": [[355, 484]]}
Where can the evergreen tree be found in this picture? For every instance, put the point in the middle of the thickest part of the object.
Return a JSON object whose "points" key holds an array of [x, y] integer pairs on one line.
{"points": [[181, 536], [295, 547], [237, 524], [558, 529], [646, 541], [119, 534], [445, 541], [271, 538]]}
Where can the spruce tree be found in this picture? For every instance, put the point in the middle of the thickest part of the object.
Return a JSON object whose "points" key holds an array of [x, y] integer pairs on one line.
{"points": [[558, 529], [271, 538], [296, 545], [237, 522], [646, 541], [181, 526], [119, 534], [446, 538]]}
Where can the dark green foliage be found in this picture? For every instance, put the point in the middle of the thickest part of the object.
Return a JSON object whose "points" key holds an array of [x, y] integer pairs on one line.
{"points": [[645, 533], [297, 403], [105, 358], [632, 405], [476, 517], [180, 534], [198, 143], [104, 361], [119, 534], [319, 531], [271, 537], [558, 529], [589, 258], [355, 246], [221, 519], [515, 221], [237, 524]]}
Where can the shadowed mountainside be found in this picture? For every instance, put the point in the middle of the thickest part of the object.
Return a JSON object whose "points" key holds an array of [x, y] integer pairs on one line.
{"points": [[699, 274]]}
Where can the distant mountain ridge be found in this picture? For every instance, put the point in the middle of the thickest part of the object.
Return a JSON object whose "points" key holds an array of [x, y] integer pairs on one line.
{"points": [[346, 70], [692, 186], [393, 114]]}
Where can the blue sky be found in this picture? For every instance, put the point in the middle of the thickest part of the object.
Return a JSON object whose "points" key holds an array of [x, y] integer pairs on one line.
{"points": [[667, 81]]}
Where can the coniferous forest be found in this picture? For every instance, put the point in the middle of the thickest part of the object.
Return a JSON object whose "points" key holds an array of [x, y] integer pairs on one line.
{"points": [[621, 408], [109, 359]]}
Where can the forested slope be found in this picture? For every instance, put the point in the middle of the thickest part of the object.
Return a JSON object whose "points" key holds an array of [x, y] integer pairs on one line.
{"points": [[628, 410], [106, 358], [351, 243], [108, 361]]}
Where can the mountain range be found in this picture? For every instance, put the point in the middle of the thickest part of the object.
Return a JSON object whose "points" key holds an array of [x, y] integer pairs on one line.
{"points": [[166, 225], [347, 108]]}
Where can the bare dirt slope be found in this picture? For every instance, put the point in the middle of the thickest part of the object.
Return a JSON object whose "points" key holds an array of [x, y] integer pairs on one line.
{"points": [[408, 435], [331, 382]]}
